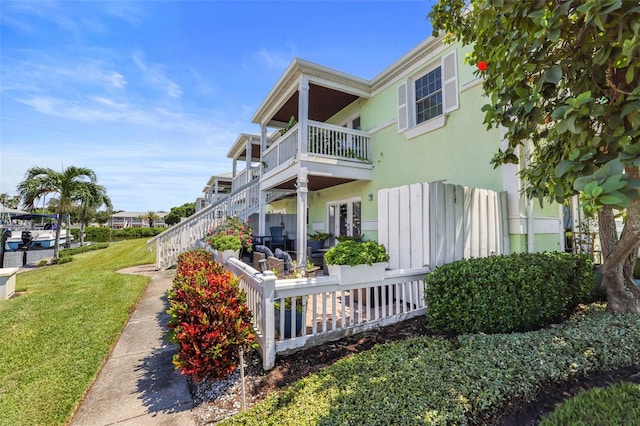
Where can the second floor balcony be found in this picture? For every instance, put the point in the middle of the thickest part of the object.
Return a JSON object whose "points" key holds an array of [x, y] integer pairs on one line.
{"points": [[340, 149]]}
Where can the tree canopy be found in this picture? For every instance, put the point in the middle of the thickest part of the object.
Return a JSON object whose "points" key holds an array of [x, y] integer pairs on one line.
{"points": [[71, 185]]}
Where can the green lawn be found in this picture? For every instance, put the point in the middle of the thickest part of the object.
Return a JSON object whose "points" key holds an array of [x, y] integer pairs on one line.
{"points": [[59, 329]]}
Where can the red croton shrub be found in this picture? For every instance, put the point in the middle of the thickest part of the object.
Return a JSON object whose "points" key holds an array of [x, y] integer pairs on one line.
{"points": [[210, 320]]}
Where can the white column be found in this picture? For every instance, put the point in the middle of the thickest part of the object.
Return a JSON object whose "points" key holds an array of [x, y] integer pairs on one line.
{"points": [[248, 162], [303, 114], [233, 174], [263, 195], [301, 231], [215, 190]]}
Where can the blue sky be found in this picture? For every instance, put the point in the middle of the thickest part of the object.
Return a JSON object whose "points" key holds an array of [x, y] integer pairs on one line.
{"points": [[151, 95]]}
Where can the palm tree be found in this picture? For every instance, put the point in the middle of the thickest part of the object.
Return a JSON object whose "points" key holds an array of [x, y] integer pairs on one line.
{"points": [[91, 197], [69, 184], [151, 216]]}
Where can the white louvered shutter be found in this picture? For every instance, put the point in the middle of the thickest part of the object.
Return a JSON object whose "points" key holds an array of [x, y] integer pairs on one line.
{"points": [[403, 108], [450, 82]]}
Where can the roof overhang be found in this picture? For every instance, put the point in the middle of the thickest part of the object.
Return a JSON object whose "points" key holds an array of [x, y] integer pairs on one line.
{"points": [[239, 149], [329, 92]]}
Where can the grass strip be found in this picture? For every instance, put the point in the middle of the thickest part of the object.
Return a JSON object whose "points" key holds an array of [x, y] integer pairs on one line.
{"points": [[59, 329]]}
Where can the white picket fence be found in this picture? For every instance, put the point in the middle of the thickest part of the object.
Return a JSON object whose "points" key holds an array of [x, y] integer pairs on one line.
{"points": [[330, 310], [435, 223]]}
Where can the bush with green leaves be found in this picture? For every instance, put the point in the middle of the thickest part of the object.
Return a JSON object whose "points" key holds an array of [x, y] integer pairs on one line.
{"points": [[61, 260], [501, 294], [83, 249], [350, 252]]}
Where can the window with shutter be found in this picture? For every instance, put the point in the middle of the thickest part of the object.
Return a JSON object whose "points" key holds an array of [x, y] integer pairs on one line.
{"points": [[424, 99]]}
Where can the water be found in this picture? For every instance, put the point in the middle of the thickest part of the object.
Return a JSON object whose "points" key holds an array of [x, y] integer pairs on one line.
{"points": [[13, 259]]}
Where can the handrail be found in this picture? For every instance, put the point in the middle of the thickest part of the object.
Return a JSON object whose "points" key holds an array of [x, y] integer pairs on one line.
{"points": [[187, 234]]}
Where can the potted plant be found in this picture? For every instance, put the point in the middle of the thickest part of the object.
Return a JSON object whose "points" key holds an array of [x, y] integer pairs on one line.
{"points": [[229, 238], [318, 239], [288, 313], [356, 262]]}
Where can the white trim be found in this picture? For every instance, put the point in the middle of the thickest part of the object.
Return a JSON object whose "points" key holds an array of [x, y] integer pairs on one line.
{"points": [[471, 84], [426, 127], [382, 126]]}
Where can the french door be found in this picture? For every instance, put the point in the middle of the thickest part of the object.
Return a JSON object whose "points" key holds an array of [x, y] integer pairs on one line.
{"points": [[344, 218]]}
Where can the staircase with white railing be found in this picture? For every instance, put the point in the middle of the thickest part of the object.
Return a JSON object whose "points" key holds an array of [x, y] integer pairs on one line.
{"points": [[187, 234]]}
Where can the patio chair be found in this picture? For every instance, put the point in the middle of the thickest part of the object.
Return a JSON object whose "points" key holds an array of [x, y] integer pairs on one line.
{"points": [[314, 255], [286, 258], [277, 239]]}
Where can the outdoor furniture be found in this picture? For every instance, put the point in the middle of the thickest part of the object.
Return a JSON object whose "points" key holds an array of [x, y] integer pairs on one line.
{"points": [[277, 239], [287, 260], [314, 253]]}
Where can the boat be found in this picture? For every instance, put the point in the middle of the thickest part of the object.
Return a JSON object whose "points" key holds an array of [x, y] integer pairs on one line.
{"points": [[34, 237]]}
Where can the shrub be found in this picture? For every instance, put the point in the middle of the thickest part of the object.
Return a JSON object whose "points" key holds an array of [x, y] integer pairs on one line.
{"points": [[353, 253], [209, 318], [501, 294], [83, 249], [233, 234], [96, 233], [61, 260]]}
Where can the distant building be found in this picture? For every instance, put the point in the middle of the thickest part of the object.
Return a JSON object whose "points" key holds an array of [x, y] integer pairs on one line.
{"points": [[135, 220]]}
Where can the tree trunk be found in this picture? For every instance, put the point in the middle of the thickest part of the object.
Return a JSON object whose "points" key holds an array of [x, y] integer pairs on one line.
{"points": [[56, 245], [623, 295]]}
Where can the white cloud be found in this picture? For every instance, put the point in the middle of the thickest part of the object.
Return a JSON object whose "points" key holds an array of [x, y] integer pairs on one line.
{"points": [[153, 74], [275, 59], [99, 109]]}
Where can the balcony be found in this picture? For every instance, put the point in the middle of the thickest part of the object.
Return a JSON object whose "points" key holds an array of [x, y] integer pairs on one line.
{"points": [[334, 147], [241, 178]]}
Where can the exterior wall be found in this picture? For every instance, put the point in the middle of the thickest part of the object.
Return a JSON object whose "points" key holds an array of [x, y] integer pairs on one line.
{"points": [[459, 153]]}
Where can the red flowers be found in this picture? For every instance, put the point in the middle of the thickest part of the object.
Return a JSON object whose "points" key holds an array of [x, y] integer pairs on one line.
{"points": [[482, 65]]}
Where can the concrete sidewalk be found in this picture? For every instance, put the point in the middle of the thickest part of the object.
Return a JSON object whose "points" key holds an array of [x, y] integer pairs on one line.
{"points": [[138, 384]]}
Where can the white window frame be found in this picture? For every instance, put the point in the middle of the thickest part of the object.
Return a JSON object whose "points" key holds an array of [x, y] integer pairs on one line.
{"points": [[407, 102]]}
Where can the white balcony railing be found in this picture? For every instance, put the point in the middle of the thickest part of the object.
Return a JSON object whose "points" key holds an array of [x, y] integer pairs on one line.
{"points": [[322, 139], [241, 178]]}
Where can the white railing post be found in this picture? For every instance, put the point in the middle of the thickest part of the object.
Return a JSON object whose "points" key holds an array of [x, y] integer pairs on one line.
{"points": [[268, 327]]}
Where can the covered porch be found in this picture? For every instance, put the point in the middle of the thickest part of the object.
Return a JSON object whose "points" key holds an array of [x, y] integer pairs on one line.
{"points": [[311, 149]]}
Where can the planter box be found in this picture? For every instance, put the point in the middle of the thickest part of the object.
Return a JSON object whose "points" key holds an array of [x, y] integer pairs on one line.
{"points": [[7, 282], [359, 273], [223, 256]]}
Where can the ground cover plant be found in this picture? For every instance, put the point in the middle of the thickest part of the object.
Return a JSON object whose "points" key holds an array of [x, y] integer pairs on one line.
{"points": [[59, 329], [471, 379], [618, 404]]}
